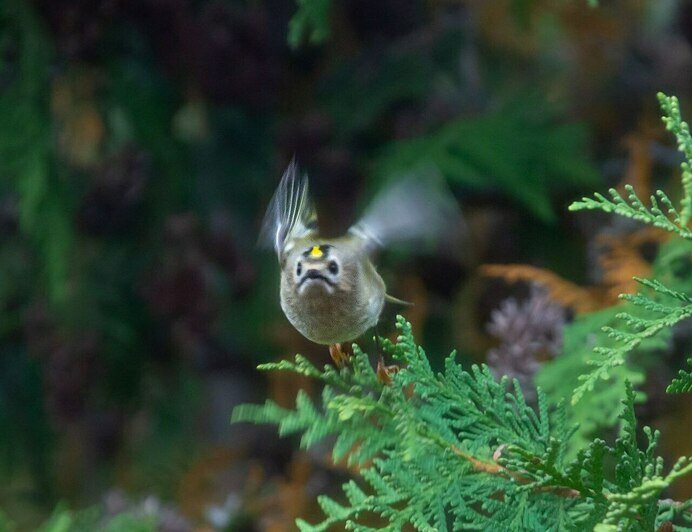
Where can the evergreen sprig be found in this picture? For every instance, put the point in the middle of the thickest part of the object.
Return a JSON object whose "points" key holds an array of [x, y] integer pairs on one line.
{"points": [[600, 408], [675, 220], [656, 315], [675, 124], [659, 316], [674, 511], [634, 208], [633, 503], [683, 382], [460, 450]]}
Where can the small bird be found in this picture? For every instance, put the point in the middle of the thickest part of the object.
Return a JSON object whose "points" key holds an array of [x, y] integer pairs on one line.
{"points": [[330, 289]]}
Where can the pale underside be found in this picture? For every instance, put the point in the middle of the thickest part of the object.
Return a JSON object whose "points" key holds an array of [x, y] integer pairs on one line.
{"points": [[342, 316]]}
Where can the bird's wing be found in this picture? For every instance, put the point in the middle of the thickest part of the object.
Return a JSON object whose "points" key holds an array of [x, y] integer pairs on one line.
{"points": [[416, 208], [290, 214], [396, 300]]}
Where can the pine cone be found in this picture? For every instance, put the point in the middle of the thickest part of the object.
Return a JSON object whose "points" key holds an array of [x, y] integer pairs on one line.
{"points": [[530, 332]]}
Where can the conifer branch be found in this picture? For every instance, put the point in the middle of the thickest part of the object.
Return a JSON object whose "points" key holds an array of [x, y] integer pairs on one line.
{"points": [[662, 213], [675, 124], [659, 316], [458, 449], [634, 208], [683, 382]]}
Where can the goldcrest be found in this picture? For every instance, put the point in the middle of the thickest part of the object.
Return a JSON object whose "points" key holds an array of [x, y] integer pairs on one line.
{"points": [[330, 290]]}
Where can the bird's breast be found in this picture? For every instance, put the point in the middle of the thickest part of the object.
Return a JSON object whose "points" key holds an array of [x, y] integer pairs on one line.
{"points": [[329, 318]]}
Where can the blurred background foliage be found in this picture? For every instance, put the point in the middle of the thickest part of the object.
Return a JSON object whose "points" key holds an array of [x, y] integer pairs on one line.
{"points": [[140, 141]]}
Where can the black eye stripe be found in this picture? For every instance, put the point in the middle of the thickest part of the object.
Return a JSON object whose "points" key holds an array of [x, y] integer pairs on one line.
{"points": [[333, 268], [299, 268]]}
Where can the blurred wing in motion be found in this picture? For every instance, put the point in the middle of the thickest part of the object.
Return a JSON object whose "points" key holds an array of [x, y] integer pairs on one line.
{"points": [[415, 209], [290, 214], [397, 301]]}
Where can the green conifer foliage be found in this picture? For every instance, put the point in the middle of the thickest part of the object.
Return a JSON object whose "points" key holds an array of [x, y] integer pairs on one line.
{"points": [[459, 450], [662, 213], [310, 20], [661, 307], [683, 382]]}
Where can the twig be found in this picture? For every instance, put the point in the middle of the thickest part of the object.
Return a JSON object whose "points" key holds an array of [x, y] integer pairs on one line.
{"points": [[495, 469]]}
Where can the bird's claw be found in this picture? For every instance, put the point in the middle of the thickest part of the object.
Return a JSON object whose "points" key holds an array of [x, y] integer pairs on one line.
{"points": [[384, 373], [338, 356]]}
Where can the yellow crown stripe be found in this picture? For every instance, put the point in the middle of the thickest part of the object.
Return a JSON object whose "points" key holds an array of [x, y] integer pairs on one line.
{"points": [[316, 252]]}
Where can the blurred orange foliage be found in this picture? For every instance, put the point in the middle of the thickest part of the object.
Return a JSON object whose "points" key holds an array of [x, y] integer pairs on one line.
{"points": [[80, 127], [274, 501], [622, 258]]}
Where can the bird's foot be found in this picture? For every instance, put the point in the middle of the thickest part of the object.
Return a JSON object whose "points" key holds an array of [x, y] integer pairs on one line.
{"points": [[384, 373], [338, 356]]}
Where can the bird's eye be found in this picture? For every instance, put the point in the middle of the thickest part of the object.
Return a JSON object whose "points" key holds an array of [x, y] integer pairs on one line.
{"points": [[299, 268], [333, 267]]}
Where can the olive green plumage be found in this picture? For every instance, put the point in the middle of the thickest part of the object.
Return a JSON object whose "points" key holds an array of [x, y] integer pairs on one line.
{"points": [[330, 307], [330, 289]]}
